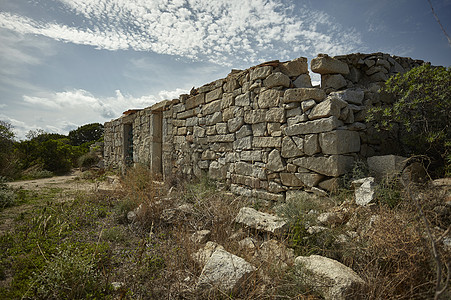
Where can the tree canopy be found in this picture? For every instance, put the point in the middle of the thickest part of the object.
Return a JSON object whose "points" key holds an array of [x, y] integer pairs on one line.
{"points": [[86, 133], [422, 109]]}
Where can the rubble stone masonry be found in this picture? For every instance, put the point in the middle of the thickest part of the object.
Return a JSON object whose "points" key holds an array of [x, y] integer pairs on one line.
{"points": [[265, 130]]}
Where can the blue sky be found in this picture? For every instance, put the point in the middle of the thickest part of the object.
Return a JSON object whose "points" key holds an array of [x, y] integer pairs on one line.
{"points": [[65, 63]]}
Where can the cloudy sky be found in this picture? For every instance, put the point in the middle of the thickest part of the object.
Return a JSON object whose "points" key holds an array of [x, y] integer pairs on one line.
{"points": [[65, 63]]}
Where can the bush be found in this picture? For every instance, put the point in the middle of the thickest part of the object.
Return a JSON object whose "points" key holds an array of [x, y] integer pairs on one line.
{"points": [[7, 196], [421, 108], [70, 275], [88, 160]]}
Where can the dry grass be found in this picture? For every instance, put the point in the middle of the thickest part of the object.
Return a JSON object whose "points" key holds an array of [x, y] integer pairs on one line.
{"points": [[151, 254]]}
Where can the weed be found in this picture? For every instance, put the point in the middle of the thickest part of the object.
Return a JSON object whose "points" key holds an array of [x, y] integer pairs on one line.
{"points": [[7, 195]]}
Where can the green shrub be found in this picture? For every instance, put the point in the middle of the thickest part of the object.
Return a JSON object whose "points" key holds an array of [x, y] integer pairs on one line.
{"points": [[88, 160], [421, 108], [7, 195], [70, 274]]}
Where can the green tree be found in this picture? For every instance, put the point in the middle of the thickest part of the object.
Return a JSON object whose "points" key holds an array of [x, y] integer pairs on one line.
{"points": [[422, 109], [86, 133], [8, 161]]}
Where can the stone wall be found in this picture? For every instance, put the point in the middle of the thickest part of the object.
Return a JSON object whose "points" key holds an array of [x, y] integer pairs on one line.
{"points": [[265, 130]]}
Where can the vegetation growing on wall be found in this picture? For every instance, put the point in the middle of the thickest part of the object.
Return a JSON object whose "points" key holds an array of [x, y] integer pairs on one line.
{"points": [[422, 106]]}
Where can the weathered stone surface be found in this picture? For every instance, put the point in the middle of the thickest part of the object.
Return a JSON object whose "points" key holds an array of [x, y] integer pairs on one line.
{"points": [[204, 254], [277, 79], [290, 179], [275, 251], [259, 129], [330, 185], [244, 131], [307, 104], [213, 95], [275, 161], [198, 131], [269, 98], [211, 107], [251, 155], [331, 279], [297, 119], [350, 96], [227, 100], [316, 126], [295, 67], [195, 101], [334, 165], [260, 221], [208, 155], [217, 171], [243, 143], [201, 236], [339, 142], [302, 94], [309, 179], [364, 190], [221, 128], [240, 190], [214, 118], [303, 81], [327, 108], [290, 149], [385, 165], [255, 116], [235, 123], [262, 194], [225, 271], [260, 72], [248, 169], [328, 65], [275, 114], [243, 99], [221, 138], [267, 142], [311, 144], [274, 187], [334, 81]]}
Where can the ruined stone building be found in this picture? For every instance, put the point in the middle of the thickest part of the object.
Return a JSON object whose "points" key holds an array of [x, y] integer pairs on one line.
{"points": [[264, 130]]}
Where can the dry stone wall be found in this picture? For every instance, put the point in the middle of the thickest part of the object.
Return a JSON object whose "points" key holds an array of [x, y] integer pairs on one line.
{"points": [[265, 130]]}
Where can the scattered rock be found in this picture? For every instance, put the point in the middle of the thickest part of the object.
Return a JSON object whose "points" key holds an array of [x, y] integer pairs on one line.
{"points": [[364, 190], [204, 254], [201, 236], [273, 250], [260, 221], [330, 278], [225, 271], [386, 165]]}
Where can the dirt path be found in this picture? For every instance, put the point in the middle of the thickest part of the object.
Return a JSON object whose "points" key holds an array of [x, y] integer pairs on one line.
{"points": [[68, 182]]}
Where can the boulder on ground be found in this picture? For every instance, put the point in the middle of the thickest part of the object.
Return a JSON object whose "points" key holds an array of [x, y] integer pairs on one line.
{"points": [[260, 221], [224, 271], [364, 190], [330, 278], [385, 165]]}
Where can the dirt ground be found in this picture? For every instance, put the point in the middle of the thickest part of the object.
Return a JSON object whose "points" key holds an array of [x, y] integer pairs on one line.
{"points": [[72, 181]]}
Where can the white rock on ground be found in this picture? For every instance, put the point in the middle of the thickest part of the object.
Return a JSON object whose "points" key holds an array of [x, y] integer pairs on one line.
{"points": [[330, 278], [260, 221], [225, 271], [364, 190], [204, 254]]}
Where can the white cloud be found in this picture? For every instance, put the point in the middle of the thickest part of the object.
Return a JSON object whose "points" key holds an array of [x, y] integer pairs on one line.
{"points": [[60, 112], [81, 101], [221, 31]]}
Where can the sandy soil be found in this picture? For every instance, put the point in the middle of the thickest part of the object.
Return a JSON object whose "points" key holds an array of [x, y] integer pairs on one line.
{"points": [[69, 182]]}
